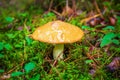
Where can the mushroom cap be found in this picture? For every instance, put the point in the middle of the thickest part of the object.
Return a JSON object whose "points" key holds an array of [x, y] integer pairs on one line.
{"points": [[58, 32]]}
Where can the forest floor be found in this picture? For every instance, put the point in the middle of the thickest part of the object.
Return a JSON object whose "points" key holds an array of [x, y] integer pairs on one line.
{"points": [[95, 57]]}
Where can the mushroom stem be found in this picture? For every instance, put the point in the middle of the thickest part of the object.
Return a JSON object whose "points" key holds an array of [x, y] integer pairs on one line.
{"points": [[58, 51]]}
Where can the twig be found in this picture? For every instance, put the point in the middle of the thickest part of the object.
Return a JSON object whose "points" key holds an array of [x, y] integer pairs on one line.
{"points": [[89, 18], [56, 12], [74, 5], [14, 68], [92, 58], [97, 8], [67, 5], [6, 75], [67, 58], [55, 62], [51, 2]]}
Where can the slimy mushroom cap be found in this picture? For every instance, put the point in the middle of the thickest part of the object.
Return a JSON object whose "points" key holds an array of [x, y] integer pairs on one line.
{"points": [[58, 32]]}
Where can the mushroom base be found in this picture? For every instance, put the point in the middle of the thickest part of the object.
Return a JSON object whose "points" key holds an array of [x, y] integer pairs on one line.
{"points": [[58, 51]]}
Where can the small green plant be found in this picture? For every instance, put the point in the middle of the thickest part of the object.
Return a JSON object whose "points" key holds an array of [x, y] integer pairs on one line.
{"points": [[7, 46], [109, 38], [9, 19], [28, 67]]}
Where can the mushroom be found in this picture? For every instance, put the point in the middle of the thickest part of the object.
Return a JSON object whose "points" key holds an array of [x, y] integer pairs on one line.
{"points": [[58, 33]]}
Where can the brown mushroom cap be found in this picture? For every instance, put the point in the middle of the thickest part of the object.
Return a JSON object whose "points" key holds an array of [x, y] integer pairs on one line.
{"points": [[58, 32]]}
